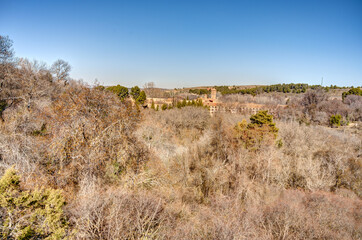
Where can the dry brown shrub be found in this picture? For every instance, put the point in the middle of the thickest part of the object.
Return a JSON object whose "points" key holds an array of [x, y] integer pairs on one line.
{"points": [[181, 174], [90, 131], [355, 105], [317, 156], [118, 214], [297, 215], [82, 132], [184, 118], [333, 107]]}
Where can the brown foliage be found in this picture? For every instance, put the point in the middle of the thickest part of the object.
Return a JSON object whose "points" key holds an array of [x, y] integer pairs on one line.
{"points": [[90, 131], [118, 214], [130, 173]]}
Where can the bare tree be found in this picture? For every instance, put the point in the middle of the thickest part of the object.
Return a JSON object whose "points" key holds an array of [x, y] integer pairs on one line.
{"points": [[313, 98], [149, 85], [149, 88], [153, 92], [6, 50], [6, 57], [60, 70]]}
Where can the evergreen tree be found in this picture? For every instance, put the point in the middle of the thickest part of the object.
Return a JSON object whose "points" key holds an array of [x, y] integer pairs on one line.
{"points": [[183, 103], [135, 92], [335, 120], [262, 119], [260, 130], [164, 107], [141, 98], [352, 91], [121, 91]]}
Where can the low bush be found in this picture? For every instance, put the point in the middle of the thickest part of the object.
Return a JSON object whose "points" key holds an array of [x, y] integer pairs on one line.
{"points": [[36, 214], [335, 120]]}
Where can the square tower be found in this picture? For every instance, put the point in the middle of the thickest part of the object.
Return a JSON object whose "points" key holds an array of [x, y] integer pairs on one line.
{"points": [[213, 93]]}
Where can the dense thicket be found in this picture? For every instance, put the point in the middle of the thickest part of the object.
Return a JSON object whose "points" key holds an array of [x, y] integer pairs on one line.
{"points": [[85, 164]]}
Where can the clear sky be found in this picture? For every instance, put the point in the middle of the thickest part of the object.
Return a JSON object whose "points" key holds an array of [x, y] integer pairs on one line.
{"points": [[192, 43]]}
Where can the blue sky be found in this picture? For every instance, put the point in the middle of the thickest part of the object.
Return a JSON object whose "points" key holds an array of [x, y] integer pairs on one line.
{"points": [[192, 43]]}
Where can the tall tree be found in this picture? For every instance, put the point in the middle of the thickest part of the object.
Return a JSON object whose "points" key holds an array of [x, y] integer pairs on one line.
{"points": [[135, 92], [6, 57], [60, 70], [6, 49], [142, 97], [121, 91]]}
